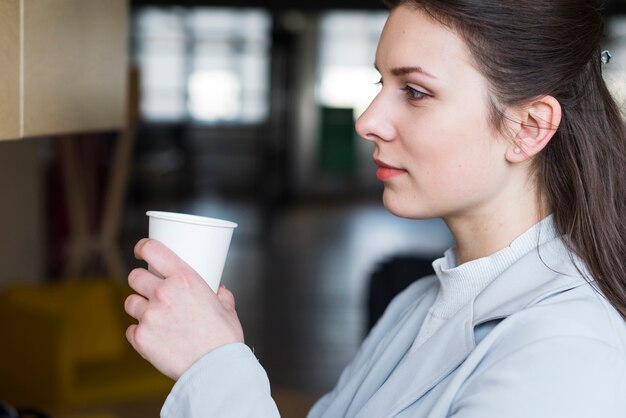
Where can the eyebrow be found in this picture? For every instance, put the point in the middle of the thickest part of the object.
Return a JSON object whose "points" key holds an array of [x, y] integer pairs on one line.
{"points": [[400, 71]]}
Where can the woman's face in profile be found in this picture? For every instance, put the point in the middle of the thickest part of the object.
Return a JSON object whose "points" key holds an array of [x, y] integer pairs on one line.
{"points": [[436, 151]]}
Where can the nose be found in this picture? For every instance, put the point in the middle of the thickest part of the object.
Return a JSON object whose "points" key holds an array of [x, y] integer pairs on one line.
{"points": [[375, 124]]}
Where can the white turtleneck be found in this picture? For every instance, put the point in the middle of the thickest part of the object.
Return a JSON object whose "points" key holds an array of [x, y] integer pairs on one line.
{"points": [[460, 284]]}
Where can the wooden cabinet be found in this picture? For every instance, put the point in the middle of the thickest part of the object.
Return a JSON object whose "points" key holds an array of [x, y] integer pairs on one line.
{"points": [[64, 66]]}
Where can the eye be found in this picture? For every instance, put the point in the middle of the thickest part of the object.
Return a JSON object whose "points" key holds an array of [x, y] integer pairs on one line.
{"points": [[379, 82], [414, 94]]}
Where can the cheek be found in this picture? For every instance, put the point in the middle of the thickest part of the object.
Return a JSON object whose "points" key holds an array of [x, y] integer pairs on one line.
{"points": [[442, 145], [477, 174], [455, 158]]}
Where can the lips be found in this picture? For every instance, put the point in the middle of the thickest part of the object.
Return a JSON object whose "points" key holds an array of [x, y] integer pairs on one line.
{"points": [[386, 172]]}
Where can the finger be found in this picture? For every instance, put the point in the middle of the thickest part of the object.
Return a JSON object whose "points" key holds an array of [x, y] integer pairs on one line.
{"points": [[135, 306], [226, 297], [138, 245], [143, 282], [130, 336], [163, 260]]}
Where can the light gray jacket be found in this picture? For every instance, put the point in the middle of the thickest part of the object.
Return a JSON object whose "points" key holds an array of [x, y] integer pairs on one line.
{"points": [[538, 342]]}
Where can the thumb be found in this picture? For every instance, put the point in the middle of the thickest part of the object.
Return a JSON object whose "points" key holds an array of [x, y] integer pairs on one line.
{"points": [[226, 297]]}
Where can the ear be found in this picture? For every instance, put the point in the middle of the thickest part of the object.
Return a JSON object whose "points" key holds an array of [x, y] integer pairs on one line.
{"points": [[538, 122]]}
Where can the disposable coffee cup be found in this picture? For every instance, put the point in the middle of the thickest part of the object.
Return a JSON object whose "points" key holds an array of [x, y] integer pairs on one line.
{"points": [[199, 241]]}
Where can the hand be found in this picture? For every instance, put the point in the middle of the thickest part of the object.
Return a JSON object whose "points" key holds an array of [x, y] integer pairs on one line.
{"points": [[180, 317]]}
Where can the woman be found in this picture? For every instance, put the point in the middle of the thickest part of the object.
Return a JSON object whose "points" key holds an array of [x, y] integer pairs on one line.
{"points": [[493, 115]]}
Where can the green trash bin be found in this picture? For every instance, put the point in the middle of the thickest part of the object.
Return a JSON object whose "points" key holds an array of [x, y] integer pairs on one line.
{"points": [[337, 151]]}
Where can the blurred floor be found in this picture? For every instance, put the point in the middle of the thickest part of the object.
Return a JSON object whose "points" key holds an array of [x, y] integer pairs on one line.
{"points": [[301, 288]]}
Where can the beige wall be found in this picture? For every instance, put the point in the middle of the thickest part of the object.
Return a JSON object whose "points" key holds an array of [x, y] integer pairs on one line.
{"points": [[64, 66], [9, 69], [75, 65]]}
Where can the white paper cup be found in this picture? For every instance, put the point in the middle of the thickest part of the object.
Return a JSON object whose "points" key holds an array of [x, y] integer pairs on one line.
{"points": [[201, 242]]}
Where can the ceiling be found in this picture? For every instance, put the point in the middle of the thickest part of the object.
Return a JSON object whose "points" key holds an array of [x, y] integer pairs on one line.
{"points": [[275, 5], [611, 7]]}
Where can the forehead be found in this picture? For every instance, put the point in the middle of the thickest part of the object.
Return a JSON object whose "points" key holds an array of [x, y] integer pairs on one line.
{"points": [[412, 38]]}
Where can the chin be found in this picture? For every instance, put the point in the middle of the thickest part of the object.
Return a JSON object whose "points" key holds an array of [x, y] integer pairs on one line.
{"points": [[405, 208]]}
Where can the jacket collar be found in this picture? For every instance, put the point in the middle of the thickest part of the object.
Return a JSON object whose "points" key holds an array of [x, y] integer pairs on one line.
{"points": [[528, 281]]}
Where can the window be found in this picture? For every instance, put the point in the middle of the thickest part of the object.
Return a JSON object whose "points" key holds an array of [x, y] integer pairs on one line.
{"points": [[348, 45], [204, 65], [347, 50], [615, 71]]}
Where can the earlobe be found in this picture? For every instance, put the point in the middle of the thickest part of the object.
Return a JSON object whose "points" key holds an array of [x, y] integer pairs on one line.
{"points": [[538, 122], [516, 152]]}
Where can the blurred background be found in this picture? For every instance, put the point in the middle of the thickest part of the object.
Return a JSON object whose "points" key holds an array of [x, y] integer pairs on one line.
{"points": [[242, 110]]}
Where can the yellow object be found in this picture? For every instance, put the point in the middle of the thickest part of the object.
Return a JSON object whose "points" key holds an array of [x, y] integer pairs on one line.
{"points": [[97, 415], [64, 345]]}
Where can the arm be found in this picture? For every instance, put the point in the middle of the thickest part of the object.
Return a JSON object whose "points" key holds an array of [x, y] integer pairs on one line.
{"points": [[227, 382]]}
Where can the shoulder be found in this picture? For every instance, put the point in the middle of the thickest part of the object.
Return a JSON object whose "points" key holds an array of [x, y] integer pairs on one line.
{"points": [[545, 295], [581, 312], [576, 330], [564, 355]]}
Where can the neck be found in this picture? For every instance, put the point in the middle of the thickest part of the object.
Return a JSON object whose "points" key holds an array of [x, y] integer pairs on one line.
{"points": [[490, 229]]}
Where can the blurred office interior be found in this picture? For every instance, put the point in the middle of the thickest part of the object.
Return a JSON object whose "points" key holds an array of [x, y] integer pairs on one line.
{"points": [[245, 112]]}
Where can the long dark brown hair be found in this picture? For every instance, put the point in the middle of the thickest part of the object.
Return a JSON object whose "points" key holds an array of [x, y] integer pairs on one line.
{"points": [[530, 48]]}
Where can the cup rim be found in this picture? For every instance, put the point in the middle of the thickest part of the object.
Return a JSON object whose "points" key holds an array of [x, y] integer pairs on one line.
{"points": [[190, 219]]}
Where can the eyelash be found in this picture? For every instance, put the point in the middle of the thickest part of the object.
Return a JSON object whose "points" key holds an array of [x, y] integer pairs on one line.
{"points": [[411, 93], [414, 94]]}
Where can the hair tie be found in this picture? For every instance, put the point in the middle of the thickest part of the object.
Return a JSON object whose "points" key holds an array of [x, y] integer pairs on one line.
{"points": [[605, 56]]}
